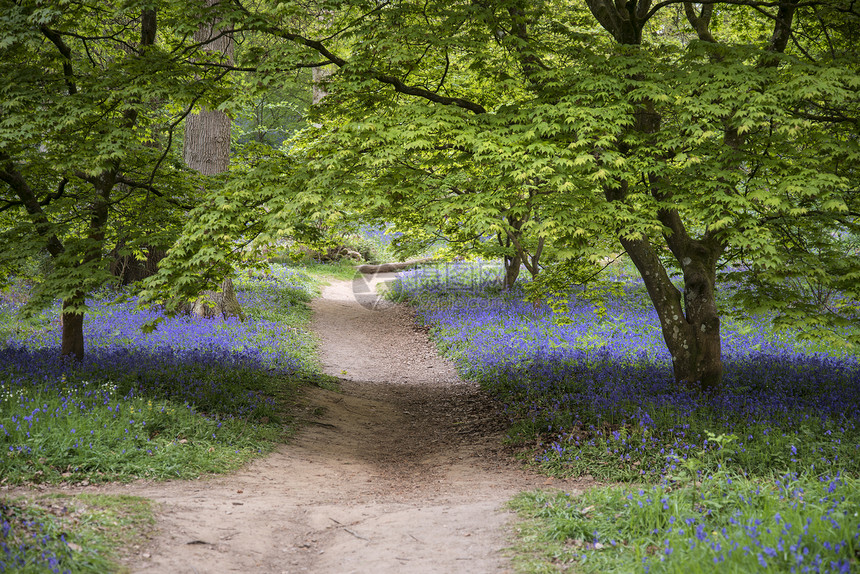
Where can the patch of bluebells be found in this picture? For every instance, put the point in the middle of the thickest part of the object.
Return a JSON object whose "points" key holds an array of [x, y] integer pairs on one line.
{"points": [[380, 234], [796, 524], [820, 534], [604, 383], [28, 545], [188, 360], [112, 325], [600, 392], [128, 375]]}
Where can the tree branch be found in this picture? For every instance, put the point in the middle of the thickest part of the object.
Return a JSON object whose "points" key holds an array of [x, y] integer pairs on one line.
{"points": [[149, 188], [61, 189], [758, 4], [396, 83], [66, 52], [700, 22], [31, 203]]}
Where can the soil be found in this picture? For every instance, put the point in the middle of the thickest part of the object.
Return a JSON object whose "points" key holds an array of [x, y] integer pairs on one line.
{"points": [[404, 470]]}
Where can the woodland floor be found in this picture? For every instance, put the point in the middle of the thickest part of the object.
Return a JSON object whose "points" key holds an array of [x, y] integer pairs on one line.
{"points": [[402, 471]]}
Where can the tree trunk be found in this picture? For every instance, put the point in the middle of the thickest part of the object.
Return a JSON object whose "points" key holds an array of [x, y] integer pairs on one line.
{"points": [[393, 267], [72, 344], [221, 304], [512, 269], [513, 239], [318, 76], [704, 365], [691, 332], [73, 332], [206, 146], [206, 149]]}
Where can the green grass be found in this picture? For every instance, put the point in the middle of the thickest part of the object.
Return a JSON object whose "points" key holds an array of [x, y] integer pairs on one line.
{"points": [[141, 438], [59, 533], [720, 524], [15, 293], [291, 305], [11, 326], [625, 454], [325, 272]]}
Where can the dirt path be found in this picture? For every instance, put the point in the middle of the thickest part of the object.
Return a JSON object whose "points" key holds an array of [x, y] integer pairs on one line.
{"points": [[401, 472]]}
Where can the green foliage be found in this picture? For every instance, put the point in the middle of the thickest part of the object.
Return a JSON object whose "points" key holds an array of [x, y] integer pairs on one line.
{"points": [[242, 213], [91, 101], [554, 283], [268, 114], [510, 129], [545, 131]]}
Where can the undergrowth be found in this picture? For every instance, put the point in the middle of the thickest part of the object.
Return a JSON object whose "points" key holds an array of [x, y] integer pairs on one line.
{"points": [[192, 397], [713, 481], [70, 534]]}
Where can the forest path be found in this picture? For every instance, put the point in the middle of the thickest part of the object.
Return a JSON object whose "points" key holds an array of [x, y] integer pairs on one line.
{"points": [[402, 471]]}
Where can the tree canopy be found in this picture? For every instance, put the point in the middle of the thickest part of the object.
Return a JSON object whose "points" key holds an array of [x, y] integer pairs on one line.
{"points": [[93, 98], [704, 140], [700, 136]]}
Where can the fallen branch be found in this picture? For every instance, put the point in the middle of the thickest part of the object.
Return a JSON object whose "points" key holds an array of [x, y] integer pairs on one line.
{"points": [[341, 525], [391, 267]]}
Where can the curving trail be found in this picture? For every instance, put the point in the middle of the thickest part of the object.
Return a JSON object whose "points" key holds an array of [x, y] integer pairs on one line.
{"points": [[401, 472]]}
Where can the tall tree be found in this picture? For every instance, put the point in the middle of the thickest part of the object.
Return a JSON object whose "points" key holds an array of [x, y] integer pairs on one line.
{"points": [[78, 110], [686, 130], [92, 94], [206, 146]]}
